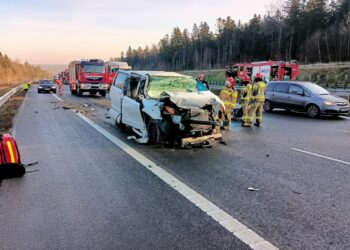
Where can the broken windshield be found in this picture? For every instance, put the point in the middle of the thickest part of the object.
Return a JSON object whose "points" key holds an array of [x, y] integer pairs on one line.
{"points": [[175, 84]]}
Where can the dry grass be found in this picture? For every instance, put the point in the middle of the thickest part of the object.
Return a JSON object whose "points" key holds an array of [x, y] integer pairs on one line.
{"points": [[8, 112]]}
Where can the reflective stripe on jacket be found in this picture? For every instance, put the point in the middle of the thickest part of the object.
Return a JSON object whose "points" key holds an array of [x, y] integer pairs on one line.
{"points": [[246, 92], [228, 96], [259, 91]]}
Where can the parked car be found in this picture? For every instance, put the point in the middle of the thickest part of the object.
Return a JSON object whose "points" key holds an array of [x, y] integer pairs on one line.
{"points": [[165, 107], [46, 86], [304, 96]]}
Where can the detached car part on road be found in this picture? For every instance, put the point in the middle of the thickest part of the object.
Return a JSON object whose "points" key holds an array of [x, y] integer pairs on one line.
{"points": [[165, 107], [46, 86], [304, 96]]}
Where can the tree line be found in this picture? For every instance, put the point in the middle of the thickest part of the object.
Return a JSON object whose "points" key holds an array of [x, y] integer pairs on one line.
{"points": [[12, 71], [309, 31]]}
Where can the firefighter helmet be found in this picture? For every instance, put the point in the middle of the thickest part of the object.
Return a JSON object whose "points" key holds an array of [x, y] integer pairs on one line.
{"points": [[258, 76], [245, 78]]}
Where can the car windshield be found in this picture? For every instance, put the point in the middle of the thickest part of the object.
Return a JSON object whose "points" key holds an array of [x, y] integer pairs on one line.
{"points": [[46, 83], [178, 84], [90, 68], [316, 90]]}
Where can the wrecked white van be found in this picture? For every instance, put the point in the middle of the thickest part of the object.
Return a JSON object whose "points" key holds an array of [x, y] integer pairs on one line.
{"points": [[165, 107]]}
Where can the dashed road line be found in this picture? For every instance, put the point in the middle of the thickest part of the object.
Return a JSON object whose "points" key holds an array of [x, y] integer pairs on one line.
{"points": [[242, 232], [345, 131], [320, 156]]}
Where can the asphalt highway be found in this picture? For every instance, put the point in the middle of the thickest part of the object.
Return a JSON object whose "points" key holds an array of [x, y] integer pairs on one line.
{"points": [[88, 193]]}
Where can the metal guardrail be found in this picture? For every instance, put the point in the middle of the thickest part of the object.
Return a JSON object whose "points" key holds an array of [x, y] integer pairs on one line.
{"points": [[8, 95]]}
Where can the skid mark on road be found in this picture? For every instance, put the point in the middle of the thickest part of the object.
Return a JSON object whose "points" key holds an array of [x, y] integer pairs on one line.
{"points": [[320, 156]]}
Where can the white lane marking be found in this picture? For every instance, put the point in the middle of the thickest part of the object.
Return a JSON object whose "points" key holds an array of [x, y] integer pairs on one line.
{"points": [[58, 98], [321, 156], [345, 131], [14, 131], [241, 231]]}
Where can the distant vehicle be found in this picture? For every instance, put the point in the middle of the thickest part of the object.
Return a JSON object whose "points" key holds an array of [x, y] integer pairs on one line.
{"points": [[87, 76], [164, 107], [112, 68], [271, 70], [304, 96], [64, 76], [46, 86]]}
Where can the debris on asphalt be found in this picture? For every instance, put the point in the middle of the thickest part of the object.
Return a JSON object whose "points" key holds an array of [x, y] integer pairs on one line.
{"points": [[223, 143], [53, 102], [107, 117], [253, 189], [55, 108], [86, 105], [267, 155], [31, 164], [31, 171], [36, 111], [93, 109], [296, 192], [66, 107]]}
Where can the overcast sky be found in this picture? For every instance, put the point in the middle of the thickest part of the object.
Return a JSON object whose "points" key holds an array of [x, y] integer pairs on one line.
{"points": [[58, 31]]}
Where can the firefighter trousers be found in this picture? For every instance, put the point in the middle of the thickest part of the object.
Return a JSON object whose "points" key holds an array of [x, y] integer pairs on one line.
{"points": [[226, 113], [246, 118], [257, 111]]}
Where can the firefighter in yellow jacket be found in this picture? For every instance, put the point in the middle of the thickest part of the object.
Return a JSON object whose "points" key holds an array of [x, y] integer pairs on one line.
{"points": [[228, 95], [258, 98], [246, 95]]}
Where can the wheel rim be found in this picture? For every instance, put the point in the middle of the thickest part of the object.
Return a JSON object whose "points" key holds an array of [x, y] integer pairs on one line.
{"points": [[312, 111], [267, 106]]}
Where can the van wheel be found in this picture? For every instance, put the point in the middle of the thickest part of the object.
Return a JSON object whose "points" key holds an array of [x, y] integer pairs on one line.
{"points": [[268, 106], [313, 111], [154, 133]]}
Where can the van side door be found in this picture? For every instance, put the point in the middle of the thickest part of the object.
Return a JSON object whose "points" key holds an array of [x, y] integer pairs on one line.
{"points": [[131, 104], [117, 93]]}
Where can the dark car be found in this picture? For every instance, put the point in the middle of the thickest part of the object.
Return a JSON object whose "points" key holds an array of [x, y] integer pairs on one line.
{"points": [[46, 86], [304, 96]]}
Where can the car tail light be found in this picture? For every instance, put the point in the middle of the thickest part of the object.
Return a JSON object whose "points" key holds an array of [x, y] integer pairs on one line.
{"points": [[170, 110]]}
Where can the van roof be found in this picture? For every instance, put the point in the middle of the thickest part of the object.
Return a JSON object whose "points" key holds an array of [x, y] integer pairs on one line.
{"points": [[153, 73]]}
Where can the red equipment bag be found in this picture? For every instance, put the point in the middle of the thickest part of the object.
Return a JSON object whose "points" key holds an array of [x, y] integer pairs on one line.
{"points": [[8, 150], [10, 159]]}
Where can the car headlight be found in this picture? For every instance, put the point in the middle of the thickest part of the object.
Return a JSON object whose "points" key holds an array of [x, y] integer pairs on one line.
{"points": [[328, 103], [40, 87], [53, 87], [104, 86], [83, 85]]}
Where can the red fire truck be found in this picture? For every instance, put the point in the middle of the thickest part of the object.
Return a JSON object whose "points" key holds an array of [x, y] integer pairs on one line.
{"points": [[271, 70], [112, 67], [87, 76]]}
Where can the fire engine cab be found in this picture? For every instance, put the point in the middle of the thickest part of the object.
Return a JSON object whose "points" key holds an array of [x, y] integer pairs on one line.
{"points": [[112, 67], [87, 76]]}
